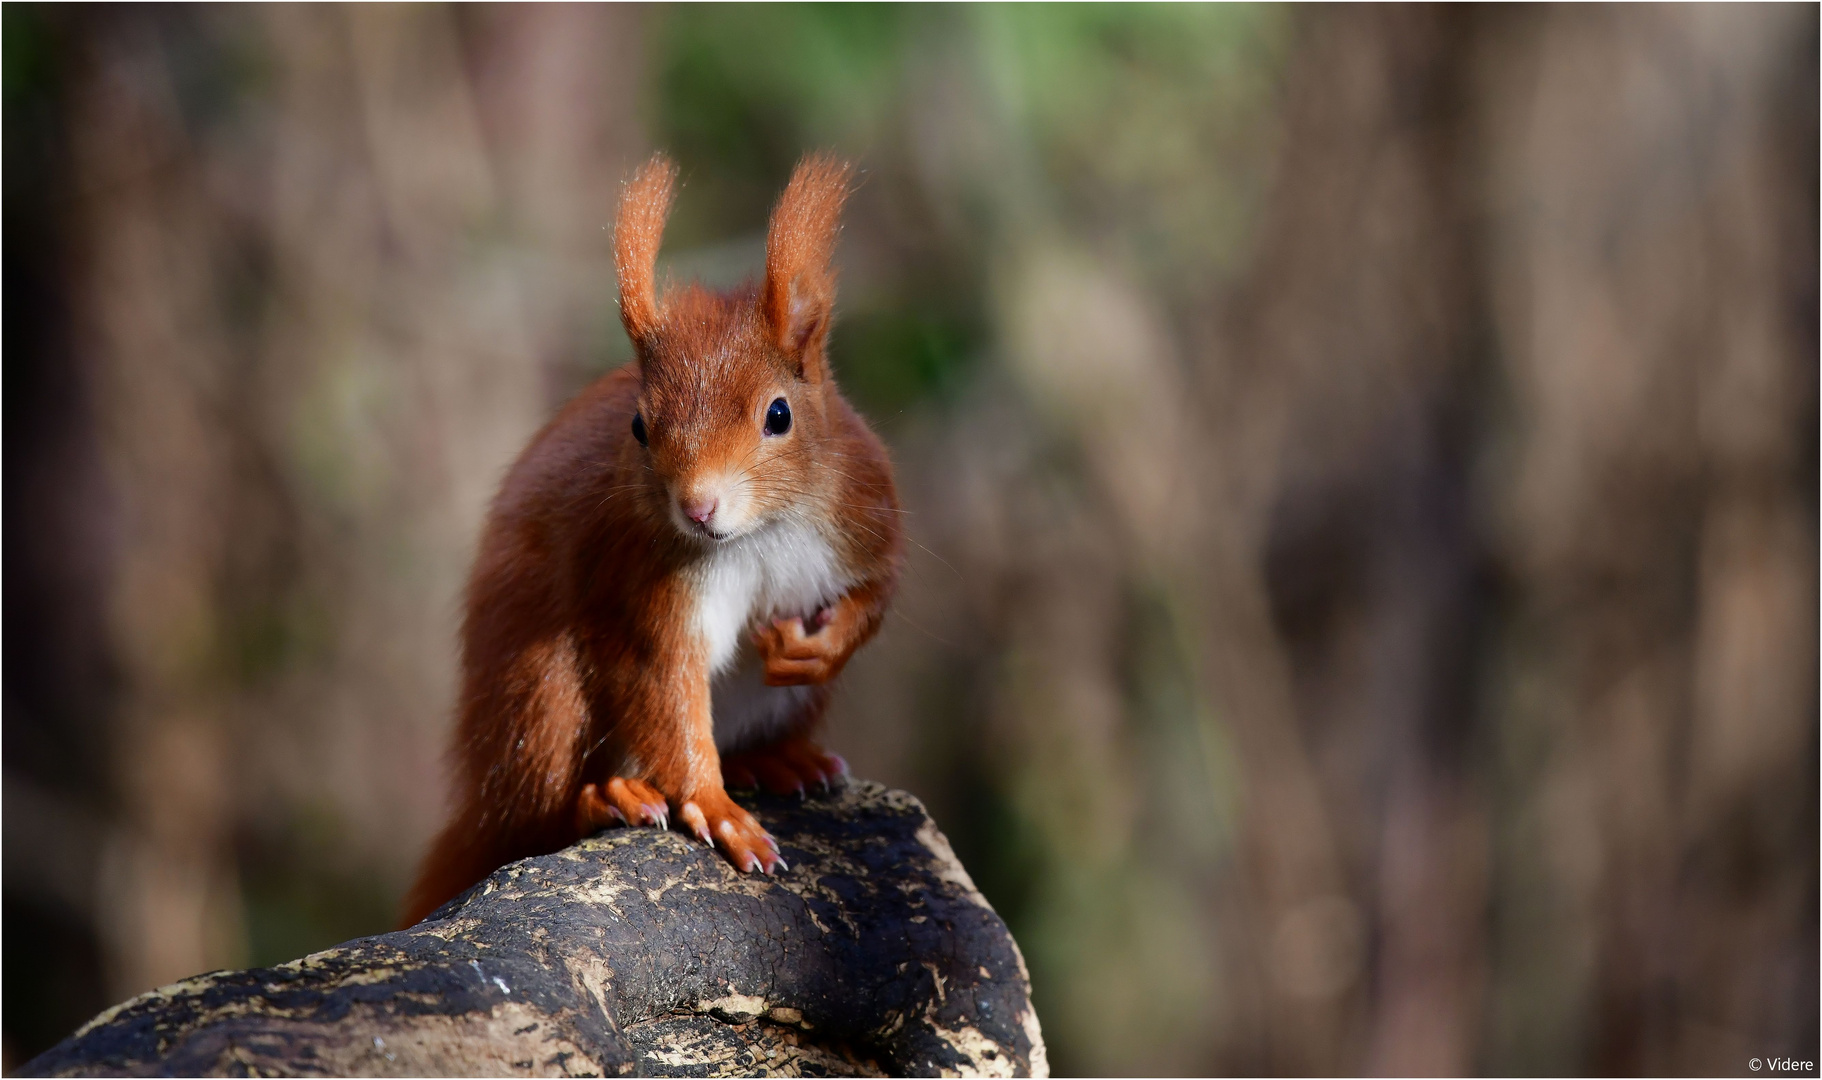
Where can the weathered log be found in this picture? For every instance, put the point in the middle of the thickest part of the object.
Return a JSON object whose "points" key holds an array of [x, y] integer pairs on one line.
{"points": [[633, 952]]}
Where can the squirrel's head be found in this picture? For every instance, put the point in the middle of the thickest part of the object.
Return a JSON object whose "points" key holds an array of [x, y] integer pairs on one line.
{"points": [[734, 403]]}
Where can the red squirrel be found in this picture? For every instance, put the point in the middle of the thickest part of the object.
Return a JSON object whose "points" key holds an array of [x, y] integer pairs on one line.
{"points": [[677, 566]]}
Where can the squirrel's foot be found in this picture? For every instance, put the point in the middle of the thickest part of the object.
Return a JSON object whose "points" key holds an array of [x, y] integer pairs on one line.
{"points": [[789, 766], [717, 821], [622, 802]]}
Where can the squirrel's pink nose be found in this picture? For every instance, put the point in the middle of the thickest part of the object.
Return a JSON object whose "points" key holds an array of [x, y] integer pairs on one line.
{"points": [[700, 510]]}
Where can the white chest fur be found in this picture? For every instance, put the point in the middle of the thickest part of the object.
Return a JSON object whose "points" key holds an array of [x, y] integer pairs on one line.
{"points": [[782, 570]]}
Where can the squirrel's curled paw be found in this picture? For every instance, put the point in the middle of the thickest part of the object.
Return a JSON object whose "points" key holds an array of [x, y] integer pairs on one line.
{"points": [[800, 655]]}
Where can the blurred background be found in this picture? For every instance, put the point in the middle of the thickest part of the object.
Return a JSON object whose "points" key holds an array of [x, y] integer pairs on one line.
{"points": [[1362, 468]]}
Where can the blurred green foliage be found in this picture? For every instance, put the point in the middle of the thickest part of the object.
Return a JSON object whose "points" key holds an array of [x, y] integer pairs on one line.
{"points": [[739, 93], [1140, 120], [741, 90], [26, 50]]}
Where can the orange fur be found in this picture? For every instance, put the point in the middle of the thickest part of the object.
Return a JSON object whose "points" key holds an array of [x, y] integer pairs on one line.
{"points": [[799, 287], [638, 229], [586, 693]]}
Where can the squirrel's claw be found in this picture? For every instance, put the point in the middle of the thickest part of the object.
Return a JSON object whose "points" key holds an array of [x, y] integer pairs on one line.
{"points": [[622, 801], [719, 822], [698, 823]]}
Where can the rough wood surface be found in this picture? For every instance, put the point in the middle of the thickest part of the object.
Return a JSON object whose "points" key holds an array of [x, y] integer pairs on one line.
{"points": [[635, 952]]}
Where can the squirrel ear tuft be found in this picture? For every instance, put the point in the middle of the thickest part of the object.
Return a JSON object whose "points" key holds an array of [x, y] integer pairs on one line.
{"points": [[638, 230], [799, 282]]}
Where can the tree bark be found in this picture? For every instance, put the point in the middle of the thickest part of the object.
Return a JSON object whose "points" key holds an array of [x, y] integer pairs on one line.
{"points": [[635, 952]]}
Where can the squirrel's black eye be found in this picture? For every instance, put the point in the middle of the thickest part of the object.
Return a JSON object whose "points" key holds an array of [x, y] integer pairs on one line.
{"points": [[778, 418], [639, 428]]}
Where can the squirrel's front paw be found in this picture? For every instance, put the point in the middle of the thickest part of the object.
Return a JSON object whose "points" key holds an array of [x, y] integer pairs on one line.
{"points": [[796, 657], [715, 819]]}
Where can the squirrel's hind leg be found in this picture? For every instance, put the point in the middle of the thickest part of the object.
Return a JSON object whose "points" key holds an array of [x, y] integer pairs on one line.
{"points": [[772, 748], [789, 762], [790, 765]]}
